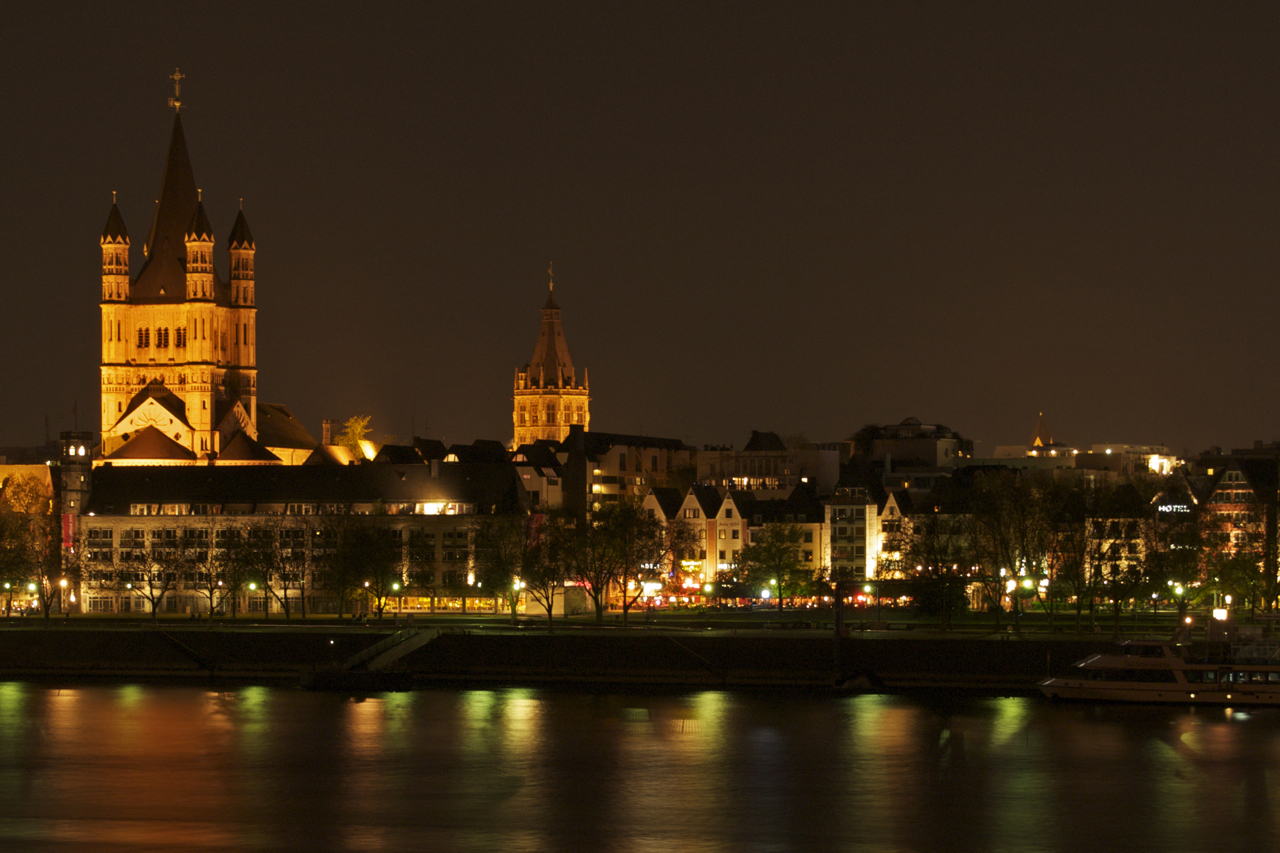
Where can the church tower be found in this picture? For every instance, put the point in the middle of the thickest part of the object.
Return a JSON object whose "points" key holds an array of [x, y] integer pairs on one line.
{"points": [[179, 369], [548, 398]]}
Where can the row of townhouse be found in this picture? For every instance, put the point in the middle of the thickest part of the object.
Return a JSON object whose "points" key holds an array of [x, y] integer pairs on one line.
{"points": [[840, 531]]}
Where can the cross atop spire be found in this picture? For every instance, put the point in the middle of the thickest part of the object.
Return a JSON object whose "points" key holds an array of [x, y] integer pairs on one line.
{"points": [[177, 78], [551, 275]]}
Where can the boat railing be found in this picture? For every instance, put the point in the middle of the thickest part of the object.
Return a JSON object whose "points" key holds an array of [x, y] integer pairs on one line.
{"points": [[1257, 649]]}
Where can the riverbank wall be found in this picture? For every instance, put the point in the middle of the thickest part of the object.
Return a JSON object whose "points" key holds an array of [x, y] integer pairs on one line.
{"points": [[323, 658]]}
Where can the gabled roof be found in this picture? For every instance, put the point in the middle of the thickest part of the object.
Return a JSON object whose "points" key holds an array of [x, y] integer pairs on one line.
{"points": [[430, 448], [1262, 475], [764, 442], [668, 499], [538, 456], [901, 499], [242, 448], [708, 498], [277, 427], [480, 451], [157, 391], [330, 454], [151, 443], [399, 454]]}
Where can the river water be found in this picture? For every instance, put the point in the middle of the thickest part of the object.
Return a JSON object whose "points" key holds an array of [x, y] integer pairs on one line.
{"points": [[141, 767]]}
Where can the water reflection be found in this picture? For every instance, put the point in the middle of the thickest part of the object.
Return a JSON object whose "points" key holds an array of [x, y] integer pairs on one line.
{"points": [[137, 767]]}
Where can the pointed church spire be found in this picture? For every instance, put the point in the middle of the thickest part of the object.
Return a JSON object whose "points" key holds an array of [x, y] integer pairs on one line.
{"points": [[1041, 436], [163, 275]]}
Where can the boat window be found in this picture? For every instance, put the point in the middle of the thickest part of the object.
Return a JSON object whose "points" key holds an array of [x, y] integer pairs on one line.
{"points": [[1201, 676], [1148, 676]]}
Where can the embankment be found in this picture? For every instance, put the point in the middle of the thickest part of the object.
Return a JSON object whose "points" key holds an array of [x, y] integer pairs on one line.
{"points": [[318, 657]]}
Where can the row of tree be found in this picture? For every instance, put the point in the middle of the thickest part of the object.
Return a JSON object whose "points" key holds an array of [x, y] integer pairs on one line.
{"points": [[1049, 543]]}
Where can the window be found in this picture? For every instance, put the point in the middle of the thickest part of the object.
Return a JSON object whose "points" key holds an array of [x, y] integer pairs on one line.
{"points": [[622, 461], [653, 463], [144, 338], [721, 534], [808, 536], [722, 555], [728, 512], [692, 512], [808, 556], [736, 533]]}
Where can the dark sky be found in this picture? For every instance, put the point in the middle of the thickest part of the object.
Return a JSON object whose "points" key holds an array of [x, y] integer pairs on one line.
{"points": [[797, 217]]}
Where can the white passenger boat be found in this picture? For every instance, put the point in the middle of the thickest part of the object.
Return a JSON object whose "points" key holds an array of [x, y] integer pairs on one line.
{"points": [[1170, 672]]}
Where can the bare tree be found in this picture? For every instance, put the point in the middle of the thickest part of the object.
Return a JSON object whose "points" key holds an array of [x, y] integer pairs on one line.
{"points": [[773, 559], [503, 547], [543, 571], [649, 550]]}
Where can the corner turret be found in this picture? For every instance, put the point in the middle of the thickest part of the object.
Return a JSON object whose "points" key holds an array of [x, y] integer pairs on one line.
{"points": [[199, 240], [115, 257], [242, 250]]}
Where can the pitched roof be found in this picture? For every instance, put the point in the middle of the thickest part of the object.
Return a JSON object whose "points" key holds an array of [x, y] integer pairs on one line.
{"points": [[399, 454], [330, 454], [480, 450], [158, 391], [669, 500], [430, 448], [277, 427], [708, 498], [242, 448], [764, 441], [151, 443], [539, 456], [487, 486], [596, 443]]}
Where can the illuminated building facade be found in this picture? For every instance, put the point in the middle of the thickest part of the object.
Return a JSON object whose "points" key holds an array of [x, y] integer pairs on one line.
{"points": [[548, 398], [179, 343]]}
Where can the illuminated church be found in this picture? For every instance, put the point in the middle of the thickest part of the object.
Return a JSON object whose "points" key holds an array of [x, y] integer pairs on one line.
{"points": [[548, 398], [179, 343]]}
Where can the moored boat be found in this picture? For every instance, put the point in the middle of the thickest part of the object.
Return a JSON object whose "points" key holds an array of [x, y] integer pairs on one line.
{"points": [[1170, 672]]}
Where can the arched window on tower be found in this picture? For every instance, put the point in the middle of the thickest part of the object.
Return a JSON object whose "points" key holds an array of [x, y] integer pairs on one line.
{"points": [[144, 338]]}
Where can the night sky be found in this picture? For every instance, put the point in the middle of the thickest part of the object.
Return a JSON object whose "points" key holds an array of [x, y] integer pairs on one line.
{"points": [[790, 217]]}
